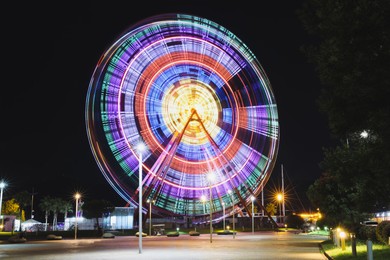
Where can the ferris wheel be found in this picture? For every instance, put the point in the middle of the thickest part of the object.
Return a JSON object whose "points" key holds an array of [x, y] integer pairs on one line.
{"points": [[199, 101]]}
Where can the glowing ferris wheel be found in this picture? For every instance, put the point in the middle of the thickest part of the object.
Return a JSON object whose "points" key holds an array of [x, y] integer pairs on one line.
{"points": [[198, 99]]}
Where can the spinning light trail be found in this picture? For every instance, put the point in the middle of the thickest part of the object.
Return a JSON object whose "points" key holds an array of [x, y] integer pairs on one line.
{"points": [[200, 101]]}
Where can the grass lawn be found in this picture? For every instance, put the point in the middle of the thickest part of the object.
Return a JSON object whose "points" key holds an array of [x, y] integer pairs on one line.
{"points": [[380, 251]]}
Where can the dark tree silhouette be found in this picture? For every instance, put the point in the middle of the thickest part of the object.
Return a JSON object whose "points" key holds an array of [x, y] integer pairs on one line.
{"points": [[96, 209]]}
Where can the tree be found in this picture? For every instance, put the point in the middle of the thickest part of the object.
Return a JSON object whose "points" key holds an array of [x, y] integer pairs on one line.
{"points": [[294, 221], [46, 206], [351, 53], [96, 209], [271, 208], [56, 207], [11, 207], [23, 199], [66, 207]]}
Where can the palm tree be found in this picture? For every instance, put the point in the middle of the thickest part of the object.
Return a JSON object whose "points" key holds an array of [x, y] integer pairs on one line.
{"points": [[60, 206], [46, 206], [66, 207], [56, 207]]}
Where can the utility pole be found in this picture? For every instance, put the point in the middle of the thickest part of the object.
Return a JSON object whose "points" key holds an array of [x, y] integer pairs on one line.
{"points": [[283, 208], [32, 202]]}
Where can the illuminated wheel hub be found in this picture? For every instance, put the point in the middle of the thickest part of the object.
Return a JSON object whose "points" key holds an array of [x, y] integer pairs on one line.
{"points": [[197, 97]]}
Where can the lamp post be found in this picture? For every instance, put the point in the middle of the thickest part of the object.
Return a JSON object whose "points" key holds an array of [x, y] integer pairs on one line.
{"points": [[150, 215], [203, 199], [234, 224], [223, 207], [77, 196], [253, 222], [2, 186], [279, 197], [211, 178], [140, 148]]}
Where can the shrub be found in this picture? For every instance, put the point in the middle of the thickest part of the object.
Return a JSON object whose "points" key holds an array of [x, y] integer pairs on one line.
{"points": [[383, 232], [173, 234], [367, 232]]}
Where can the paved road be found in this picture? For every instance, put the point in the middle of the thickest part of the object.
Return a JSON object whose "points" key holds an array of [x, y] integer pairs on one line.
{"points": [[261, 245]]}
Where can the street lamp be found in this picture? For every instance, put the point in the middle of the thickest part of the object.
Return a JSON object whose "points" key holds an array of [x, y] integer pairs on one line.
{"points": [[140, 148], [211, 178], [150, 215], [279, 197], [234, 224], [253, 223], [2, 186], [203, 199], [77, 196], [223, 207]]}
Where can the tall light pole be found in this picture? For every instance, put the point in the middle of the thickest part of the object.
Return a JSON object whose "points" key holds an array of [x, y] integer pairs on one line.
{"points": [[283, 208], [150, 215], [140, 148], [234, 223], [2, 186], [253, 216], [279, 197], [211, 178], [203, 199], [77, 196], [223, 207], [262, 201]]}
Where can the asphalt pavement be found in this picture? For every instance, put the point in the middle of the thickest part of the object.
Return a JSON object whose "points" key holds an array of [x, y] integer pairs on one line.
{"points": [[245, 245]]}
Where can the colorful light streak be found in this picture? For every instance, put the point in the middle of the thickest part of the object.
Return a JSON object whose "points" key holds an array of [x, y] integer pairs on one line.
{"points": [[200, 101]]}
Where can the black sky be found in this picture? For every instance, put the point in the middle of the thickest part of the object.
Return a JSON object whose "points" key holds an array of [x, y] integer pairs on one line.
{"points": [[49, 52]]}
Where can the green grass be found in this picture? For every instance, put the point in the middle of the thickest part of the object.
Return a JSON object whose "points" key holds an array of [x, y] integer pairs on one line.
{"points": [[380, 251]]}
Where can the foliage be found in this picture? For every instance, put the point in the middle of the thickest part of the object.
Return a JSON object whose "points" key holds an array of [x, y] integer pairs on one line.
{"points": [[271, 208], [46, 206], [96, 209], [379, 251], [23, 198], [351, 53], [11, 207], [55, 205], [294, 221], [367, 232], [383, 232]]}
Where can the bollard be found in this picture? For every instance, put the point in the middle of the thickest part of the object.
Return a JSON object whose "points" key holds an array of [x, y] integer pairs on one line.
{"points": [[342, 238], [369, 250], [353, 244], [334, 238]]}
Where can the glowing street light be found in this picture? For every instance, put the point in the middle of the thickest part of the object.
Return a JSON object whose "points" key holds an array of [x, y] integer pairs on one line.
{"points": [[150, 215], [364, 134], [2, 186], [203, 199], [77, 196], [279, 198], [140, 149], [211, 178], [253, 223]]}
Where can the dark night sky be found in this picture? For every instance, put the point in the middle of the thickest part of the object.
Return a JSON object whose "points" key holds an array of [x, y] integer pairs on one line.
{"points": [[50, 52]]}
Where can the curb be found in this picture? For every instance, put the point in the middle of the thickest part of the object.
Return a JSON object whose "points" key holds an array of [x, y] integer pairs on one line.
{"points": [[323, 252]]}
